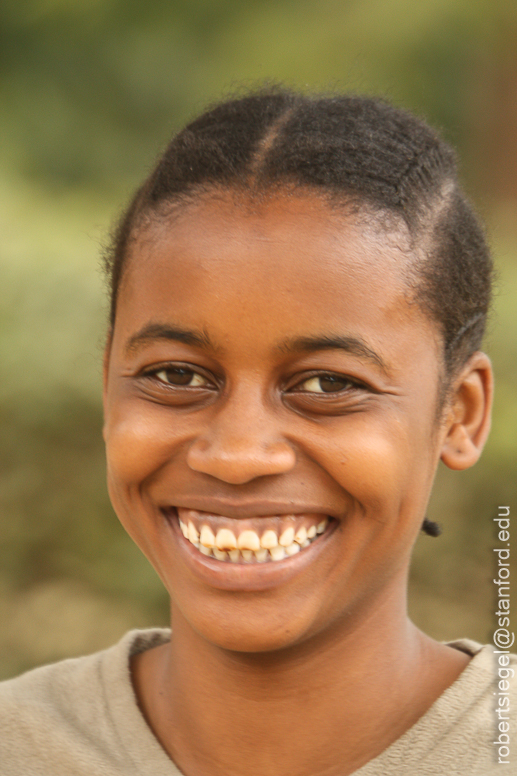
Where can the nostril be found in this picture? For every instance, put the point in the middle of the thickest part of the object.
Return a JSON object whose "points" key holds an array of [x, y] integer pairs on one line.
{"points": [[240, 463]]}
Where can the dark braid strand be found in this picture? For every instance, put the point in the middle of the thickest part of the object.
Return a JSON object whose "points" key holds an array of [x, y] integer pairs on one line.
{"points": [[431, 528]]}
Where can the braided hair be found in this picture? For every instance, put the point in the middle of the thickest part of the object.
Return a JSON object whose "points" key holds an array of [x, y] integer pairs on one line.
{"points": [[351, 149]]}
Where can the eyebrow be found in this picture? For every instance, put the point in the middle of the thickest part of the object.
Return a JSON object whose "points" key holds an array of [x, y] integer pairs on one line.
{"points": [[153, 332], [353, 345]]}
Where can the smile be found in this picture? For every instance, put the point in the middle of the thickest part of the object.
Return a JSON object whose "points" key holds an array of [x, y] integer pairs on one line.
{"points": [[254, 540]]}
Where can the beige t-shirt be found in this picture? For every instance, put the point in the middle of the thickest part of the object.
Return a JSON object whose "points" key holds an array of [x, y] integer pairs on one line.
{"points": [[80, 718]]}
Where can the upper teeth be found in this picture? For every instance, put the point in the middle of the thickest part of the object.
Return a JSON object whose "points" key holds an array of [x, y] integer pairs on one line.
{"points": [[248, 540], [248, 545]]}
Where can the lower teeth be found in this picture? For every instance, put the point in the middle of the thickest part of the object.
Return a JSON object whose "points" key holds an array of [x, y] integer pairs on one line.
{"points": [[252, 556]]}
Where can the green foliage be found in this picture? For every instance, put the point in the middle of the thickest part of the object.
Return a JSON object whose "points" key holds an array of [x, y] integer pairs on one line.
{"points": [[90, 90]]}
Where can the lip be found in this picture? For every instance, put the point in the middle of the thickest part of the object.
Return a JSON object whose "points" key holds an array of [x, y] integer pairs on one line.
{"points": [[241, 510], [241, 576]]}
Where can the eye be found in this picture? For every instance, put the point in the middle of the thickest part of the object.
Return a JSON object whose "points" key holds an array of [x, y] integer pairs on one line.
{"points": [[180, 376], [325, 384]]}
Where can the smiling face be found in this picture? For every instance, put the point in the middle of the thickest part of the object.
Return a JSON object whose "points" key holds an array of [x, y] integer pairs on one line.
{"points": [[267, 372]]}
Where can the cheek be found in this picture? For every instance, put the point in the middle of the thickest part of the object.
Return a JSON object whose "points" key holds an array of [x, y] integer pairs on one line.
{"points": [[387, 467], [131, 446], [137, 446]]}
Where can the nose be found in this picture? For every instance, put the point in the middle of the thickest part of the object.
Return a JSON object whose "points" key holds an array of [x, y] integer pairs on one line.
{"points": [[241, 443]]}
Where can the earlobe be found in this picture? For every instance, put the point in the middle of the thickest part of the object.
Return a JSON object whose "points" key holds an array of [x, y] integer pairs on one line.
{"points": [[469, 415]]}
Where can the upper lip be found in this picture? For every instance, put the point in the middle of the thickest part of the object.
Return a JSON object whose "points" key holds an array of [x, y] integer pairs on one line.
{"points": [[249, 508]]}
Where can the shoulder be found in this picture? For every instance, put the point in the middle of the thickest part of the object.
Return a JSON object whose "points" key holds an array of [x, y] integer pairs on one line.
{"points": [[64, 718], [465, 718], [474, 694], [456, 736]]}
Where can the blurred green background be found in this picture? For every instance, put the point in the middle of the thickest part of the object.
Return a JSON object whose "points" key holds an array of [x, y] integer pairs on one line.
{"points": [[89, 92]]}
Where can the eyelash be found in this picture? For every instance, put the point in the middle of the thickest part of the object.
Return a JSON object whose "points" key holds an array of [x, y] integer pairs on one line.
{"points": [[155, 371], [351, 384]]}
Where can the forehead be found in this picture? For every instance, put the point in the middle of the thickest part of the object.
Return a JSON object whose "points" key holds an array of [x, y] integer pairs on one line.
{"points": [[289, 262], [294, 222]]}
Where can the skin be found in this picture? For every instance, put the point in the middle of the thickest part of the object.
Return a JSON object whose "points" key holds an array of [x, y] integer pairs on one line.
{"points": [[313, 669]]}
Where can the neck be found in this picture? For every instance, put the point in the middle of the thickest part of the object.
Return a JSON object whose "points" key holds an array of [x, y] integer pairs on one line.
{"points": [[325, 706]]}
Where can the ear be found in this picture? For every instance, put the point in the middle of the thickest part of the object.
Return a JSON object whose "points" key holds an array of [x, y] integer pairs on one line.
{"points": [[468, 418]]}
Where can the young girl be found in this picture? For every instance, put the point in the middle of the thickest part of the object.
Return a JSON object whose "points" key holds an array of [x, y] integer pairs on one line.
{"points": [[299, 292]]}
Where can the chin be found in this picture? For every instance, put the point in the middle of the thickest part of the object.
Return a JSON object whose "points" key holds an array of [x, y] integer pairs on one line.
{"points": [[251, 640], [253, 627]]}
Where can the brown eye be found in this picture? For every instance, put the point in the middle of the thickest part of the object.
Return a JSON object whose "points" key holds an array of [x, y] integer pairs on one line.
{"points": [[181, 377], [325, 384]]}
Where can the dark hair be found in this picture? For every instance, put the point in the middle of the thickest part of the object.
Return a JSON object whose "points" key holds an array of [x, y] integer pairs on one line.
{"points": [[351, 149]]}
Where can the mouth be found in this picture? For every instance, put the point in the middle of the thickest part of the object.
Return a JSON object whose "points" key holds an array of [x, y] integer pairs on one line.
{"points": [[256, 540]]}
